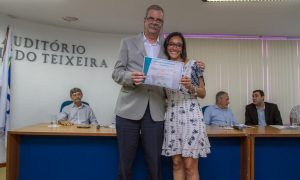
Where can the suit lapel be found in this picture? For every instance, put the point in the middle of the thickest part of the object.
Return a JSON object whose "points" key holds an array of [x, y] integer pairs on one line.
{"points": [[140, 45]]}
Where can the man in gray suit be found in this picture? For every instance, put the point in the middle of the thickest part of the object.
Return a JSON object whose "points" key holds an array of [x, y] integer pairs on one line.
{"points": [[140, 108]]}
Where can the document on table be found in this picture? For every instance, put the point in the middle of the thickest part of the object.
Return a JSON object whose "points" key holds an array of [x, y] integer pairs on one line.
{"points": [[163, 72], [285, 127]]}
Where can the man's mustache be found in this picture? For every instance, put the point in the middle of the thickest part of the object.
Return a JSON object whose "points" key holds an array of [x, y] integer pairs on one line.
{"points": [[154, 26]]}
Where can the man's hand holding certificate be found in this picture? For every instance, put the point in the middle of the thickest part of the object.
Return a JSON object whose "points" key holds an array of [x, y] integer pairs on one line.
{"points": [[162, 72], [138, 78]]}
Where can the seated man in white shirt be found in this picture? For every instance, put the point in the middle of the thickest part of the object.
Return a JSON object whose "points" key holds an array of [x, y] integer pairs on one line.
{"points": [[77, 112], [220, 114]]}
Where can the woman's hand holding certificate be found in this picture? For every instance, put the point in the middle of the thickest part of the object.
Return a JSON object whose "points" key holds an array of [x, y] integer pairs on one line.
{"points": [[186, 82]]}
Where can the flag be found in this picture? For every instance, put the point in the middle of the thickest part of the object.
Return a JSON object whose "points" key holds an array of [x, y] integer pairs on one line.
{"points": [[5, 92]]}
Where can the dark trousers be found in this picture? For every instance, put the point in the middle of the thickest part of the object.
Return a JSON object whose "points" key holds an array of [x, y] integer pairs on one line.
{"points": [[128, 134]]}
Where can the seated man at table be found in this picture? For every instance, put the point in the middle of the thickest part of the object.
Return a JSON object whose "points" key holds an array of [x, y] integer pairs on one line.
{"points": [[220, 114], [262, 113], [77, 112]]}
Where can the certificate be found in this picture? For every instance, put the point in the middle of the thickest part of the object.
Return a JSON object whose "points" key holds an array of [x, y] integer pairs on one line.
{"points": [[163, 72]]}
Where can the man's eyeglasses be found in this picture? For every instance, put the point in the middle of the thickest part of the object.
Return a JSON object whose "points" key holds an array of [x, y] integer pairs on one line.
{"points": [[152, 19], [173, 45]]}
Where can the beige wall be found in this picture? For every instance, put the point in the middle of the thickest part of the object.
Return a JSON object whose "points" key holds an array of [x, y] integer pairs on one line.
{"points": [[45, 85], [241, 66], [236, 66], [40, 86]]}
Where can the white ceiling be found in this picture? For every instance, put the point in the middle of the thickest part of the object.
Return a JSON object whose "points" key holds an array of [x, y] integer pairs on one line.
{"points": [[187, 16]]}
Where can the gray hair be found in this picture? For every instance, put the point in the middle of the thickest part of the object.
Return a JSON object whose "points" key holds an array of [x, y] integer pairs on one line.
{"points": [[219, 94], [75, 90], [154, 7]]}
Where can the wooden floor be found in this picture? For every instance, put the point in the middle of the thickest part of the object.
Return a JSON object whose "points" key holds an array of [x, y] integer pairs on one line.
{"points": [[2, 173]]}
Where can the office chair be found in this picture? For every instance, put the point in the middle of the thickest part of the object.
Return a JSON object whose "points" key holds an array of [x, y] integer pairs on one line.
{"points": [[203, 109], [66, 103]]}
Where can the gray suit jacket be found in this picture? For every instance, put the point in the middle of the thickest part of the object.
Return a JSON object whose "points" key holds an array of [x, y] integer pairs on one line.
{"points": [[133, 100]]}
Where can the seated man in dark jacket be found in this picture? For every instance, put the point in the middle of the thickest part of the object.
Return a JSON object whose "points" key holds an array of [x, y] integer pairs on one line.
{"points": [[262, 113]]}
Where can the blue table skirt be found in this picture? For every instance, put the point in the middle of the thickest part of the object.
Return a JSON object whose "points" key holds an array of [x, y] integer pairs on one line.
{"points": [[277, 158], [78, 157]]}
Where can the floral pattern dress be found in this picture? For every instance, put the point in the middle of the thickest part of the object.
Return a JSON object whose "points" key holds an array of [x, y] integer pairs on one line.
{"points": [[185, 130]]}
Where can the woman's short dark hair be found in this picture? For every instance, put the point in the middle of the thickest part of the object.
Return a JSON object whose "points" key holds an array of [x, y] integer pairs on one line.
{"points": [[183, 54]]}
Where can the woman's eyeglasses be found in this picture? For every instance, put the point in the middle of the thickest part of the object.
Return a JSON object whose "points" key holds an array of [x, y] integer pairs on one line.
{"points": [[174, 45]]}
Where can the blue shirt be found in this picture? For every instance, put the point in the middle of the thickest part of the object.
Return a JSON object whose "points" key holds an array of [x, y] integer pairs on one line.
{"points": [[78, 115], [213, 115], [261, 117]]}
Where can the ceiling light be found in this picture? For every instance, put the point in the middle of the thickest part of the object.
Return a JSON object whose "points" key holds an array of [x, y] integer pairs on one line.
{"points": [[70, 19], [243, 0], [11, 16]]}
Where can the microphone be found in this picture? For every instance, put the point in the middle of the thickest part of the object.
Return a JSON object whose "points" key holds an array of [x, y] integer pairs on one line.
{"points": [[98, 126]]}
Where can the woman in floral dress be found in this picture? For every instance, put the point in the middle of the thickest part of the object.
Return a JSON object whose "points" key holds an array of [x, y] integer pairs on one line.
{"points": [[185, 137]]}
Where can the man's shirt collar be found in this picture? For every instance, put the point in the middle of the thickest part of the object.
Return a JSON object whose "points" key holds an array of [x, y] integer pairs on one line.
{"points": [[146, 40]]}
